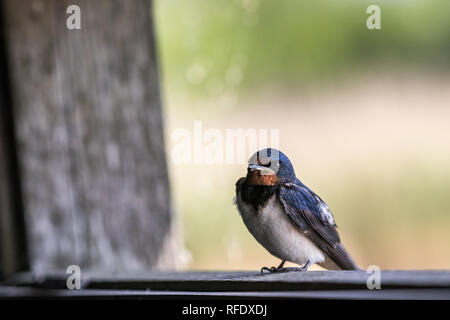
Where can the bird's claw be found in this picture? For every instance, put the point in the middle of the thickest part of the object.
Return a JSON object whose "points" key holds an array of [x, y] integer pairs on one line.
{"points": [[292, 269], [270, 270], [281, 269]]}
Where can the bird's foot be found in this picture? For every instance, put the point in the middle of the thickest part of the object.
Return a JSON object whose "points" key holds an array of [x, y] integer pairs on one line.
{"points": [[270, 270], [292, 269], [304, 268], [287, 269], [273, 269]]}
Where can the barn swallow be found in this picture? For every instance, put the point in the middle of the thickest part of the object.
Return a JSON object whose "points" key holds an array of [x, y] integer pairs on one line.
{"points": [[286, 217]]}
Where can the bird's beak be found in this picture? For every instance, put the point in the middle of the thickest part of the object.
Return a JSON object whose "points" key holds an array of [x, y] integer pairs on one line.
{"points": [[262, 170], [255, 167]]}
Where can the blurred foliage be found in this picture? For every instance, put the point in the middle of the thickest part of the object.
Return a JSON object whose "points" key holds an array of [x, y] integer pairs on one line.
{"points": [[375, 146], [209, 46]]}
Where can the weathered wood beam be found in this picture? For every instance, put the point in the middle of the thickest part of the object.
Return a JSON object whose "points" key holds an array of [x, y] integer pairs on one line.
{"points": [[90, 144]]}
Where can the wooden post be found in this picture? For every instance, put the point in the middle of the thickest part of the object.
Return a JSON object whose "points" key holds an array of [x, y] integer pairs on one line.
{"points": [[88, 120], [13, 254]]}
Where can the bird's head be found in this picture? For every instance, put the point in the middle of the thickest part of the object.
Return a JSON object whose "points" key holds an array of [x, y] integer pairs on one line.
{"points": [[269, 167]]}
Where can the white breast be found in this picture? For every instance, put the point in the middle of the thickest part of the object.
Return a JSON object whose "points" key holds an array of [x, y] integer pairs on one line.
{"points": [[273, 229]]}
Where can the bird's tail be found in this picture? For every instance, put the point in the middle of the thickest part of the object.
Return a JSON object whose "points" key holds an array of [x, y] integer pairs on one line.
{"points": [[339, 259]]}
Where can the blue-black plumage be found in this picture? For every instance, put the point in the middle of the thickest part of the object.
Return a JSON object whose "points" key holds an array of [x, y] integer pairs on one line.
{"points": [[286, 217]]}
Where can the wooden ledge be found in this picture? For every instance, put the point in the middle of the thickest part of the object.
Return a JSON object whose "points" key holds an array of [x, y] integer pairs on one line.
{"points": [[395, 284]]}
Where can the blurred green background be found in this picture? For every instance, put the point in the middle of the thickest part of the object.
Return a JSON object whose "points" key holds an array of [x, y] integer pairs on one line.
{"points": [[364, 115]]}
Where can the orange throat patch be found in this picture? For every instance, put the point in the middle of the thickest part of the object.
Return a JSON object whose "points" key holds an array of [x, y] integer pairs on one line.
{"points": [[255, 178]]}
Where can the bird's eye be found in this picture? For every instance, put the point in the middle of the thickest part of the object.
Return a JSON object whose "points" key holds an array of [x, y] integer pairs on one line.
{"points": [[264, 161]]}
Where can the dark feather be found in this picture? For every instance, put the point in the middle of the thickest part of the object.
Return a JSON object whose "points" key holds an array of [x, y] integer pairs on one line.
{"points": [[256, 195], [303, 207]]}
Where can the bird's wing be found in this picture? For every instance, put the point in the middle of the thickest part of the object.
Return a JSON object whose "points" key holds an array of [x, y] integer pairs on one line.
{"points": [[312, 217]]}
